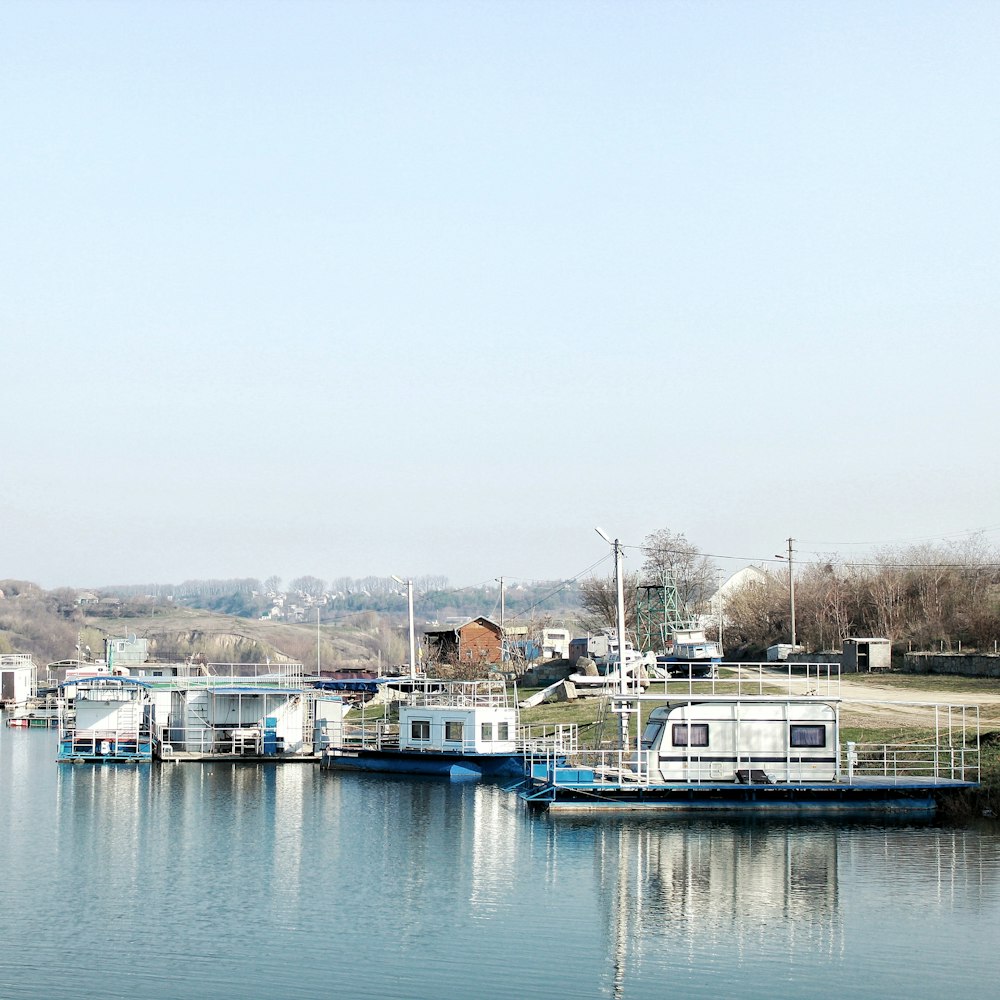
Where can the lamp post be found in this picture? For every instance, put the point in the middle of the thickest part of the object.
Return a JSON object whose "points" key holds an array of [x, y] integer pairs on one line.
{"points": [[620, 628], [503, 634], [791, 587], [409, 610]]}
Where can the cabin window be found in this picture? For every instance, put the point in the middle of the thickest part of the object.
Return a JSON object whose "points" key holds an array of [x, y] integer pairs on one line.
{"points": [[503, 731], [453, 732], [808, 736], [690, 734], [487, 731], [650, 734], [420, 729]]}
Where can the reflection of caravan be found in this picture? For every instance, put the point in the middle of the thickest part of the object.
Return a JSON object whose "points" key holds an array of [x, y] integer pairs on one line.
{"points": [[728, 740]]}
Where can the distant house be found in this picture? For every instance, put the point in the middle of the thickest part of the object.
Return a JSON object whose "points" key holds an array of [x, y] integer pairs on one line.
{"points": [[478, 640], [86, 598]]}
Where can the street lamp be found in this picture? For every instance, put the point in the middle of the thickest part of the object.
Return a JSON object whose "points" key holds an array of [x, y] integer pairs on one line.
{"points": [[791, 587], [620, 626], [409, 609]]}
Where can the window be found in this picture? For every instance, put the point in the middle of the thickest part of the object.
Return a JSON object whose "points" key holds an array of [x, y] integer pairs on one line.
{"points": [[808, 736], [453, 732], [420, 729], [487, 732], [502, 731], [690, 734]]}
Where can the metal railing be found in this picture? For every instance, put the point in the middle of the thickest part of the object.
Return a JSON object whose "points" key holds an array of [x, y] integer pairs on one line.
{"points": [[458, 694], [533, 740], [230, 740], [106, 744], [907, 761], [762, 679]]}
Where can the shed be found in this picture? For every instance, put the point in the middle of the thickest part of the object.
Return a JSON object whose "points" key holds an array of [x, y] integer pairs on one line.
{"points": [[479, 640], [17, 677], [863, 655]]}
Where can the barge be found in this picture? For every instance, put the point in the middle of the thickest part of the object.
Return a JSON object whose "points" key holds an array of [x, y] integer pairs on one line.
{"points": [[764, 743]]}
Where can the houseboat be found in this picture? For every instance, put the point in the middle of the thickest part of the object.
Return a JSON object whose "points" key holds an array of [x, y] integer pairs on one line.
{"points": [[458, 729], [104, 718], [760, 741]]}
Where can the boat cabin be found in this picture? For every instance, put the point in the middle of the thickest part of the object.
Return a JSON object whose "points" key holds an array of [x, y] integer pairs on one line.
{"points": [[777, 740], [110, 719], [481, 729], [231, 720]]}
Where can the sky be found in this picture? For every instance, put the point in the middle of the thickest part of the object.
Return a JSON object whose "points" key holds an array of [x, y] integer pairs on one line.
{"points": [[435, 288]]}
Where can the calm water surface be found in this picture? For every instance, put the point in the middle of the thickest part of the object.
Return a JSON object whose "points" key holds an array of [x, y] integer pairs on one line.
{"points": [[210, 881]]}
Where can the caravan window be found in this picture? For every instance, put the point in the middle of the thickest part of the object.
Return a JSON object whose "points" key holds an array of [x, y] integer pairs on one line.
{"points": [[420, 729], [808, 736], [690, 734]]}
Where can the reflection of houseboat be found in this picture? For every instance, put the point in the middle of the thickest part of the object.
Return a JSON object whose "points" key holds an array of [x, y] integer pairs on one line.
{"points": [[761, 742], [452, 728], [109, 720]]}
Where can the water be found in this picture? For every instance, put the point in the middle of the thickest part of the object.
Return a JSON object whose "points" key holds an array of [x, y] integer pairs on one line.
{"points": [[208, 881]]}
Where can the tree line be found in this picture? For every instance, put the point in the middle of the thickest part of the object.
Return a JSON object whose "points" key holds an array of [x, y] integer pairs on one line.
{"points": [[928, 597], [924, 597]]}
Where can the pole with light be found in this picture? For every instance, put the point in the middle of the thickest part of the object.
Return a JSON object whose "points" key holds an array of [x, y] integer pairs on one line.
{"points": [[409, 610], [791, 587], [620, 626], [503, 634]]}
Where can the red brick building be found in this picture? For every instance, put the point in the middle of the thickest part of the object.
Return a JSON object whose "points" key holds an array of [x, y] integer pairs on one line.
{"points": [[479, 641]]}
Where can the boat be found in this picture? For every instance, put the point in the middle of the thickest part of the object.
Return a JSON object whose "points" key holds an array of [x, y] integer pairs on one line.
{"points": [[457, 729], [104, 718], [761, 740], [691, 654], [37, 712], [608, 674]]}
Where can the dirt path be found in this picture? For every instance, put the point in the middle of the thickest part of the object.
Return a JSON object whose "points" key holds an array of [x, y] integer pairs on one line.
{"points": [[912, 705]]}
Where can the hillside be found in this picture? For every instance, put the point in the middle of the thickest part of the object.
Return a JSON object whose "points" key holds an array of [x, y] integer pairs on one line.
{"points": [[49, 625]]}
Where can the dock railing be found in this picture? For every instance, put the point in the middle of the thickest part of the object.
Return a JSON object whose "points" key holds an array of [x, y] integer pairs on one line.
{"points": [[947, 751], [428, 692], [950, 749], [821, 680]]}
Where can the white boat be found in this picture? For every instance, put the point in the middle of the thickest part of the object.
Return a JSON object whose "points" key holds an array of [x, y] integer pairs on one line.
{"points": [[105, 718], [450, 728]]}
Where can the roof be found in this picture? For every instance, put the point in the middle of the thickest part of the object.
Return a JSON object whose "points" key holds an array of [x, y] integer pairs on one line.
{"points": [[458, 628], [110, 679], [250, 689]]}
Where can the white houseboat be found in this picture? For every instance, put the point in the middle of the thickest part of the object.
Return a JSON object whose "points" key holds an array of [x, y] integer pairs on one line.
{"points": [[763, 740], [450, 728], [105, 718]]}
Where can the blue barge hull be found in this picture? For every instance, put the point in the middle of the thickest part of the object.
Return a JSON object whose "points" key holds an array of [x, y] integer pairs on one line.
{"points": [[448, 765]]}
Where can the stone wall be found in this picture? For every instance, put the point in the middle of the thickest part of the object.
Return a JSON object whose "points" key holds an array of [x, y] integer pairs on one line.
{"points": [[964, 664]]}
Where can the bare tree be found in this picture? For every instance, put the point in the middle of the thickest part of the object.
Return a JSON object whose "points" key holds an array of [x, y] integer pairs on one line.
{"points": [[311, 586], [672, 559], [599, 602]]}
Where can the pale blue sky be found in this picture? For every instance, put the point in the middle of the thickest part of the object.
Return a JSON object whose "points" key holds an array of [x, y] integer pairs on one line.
{"points": [[434, 288]]}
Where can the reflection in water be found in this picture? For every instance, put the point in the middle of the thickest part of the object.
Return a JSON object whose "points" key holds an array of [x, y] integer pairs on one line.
{"points": [[221, 879], [713, 899]]}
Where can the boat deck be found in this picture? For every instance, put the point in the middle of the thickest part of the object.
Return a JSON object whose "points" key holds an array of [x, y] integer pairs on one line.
{"points": [[577, 793]]}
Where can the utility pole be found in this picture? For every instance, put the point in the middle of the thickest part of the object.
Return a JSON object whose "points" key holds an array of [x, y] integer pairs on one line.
{"points": [[791, 590], [503, 634], [620, 626]]}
